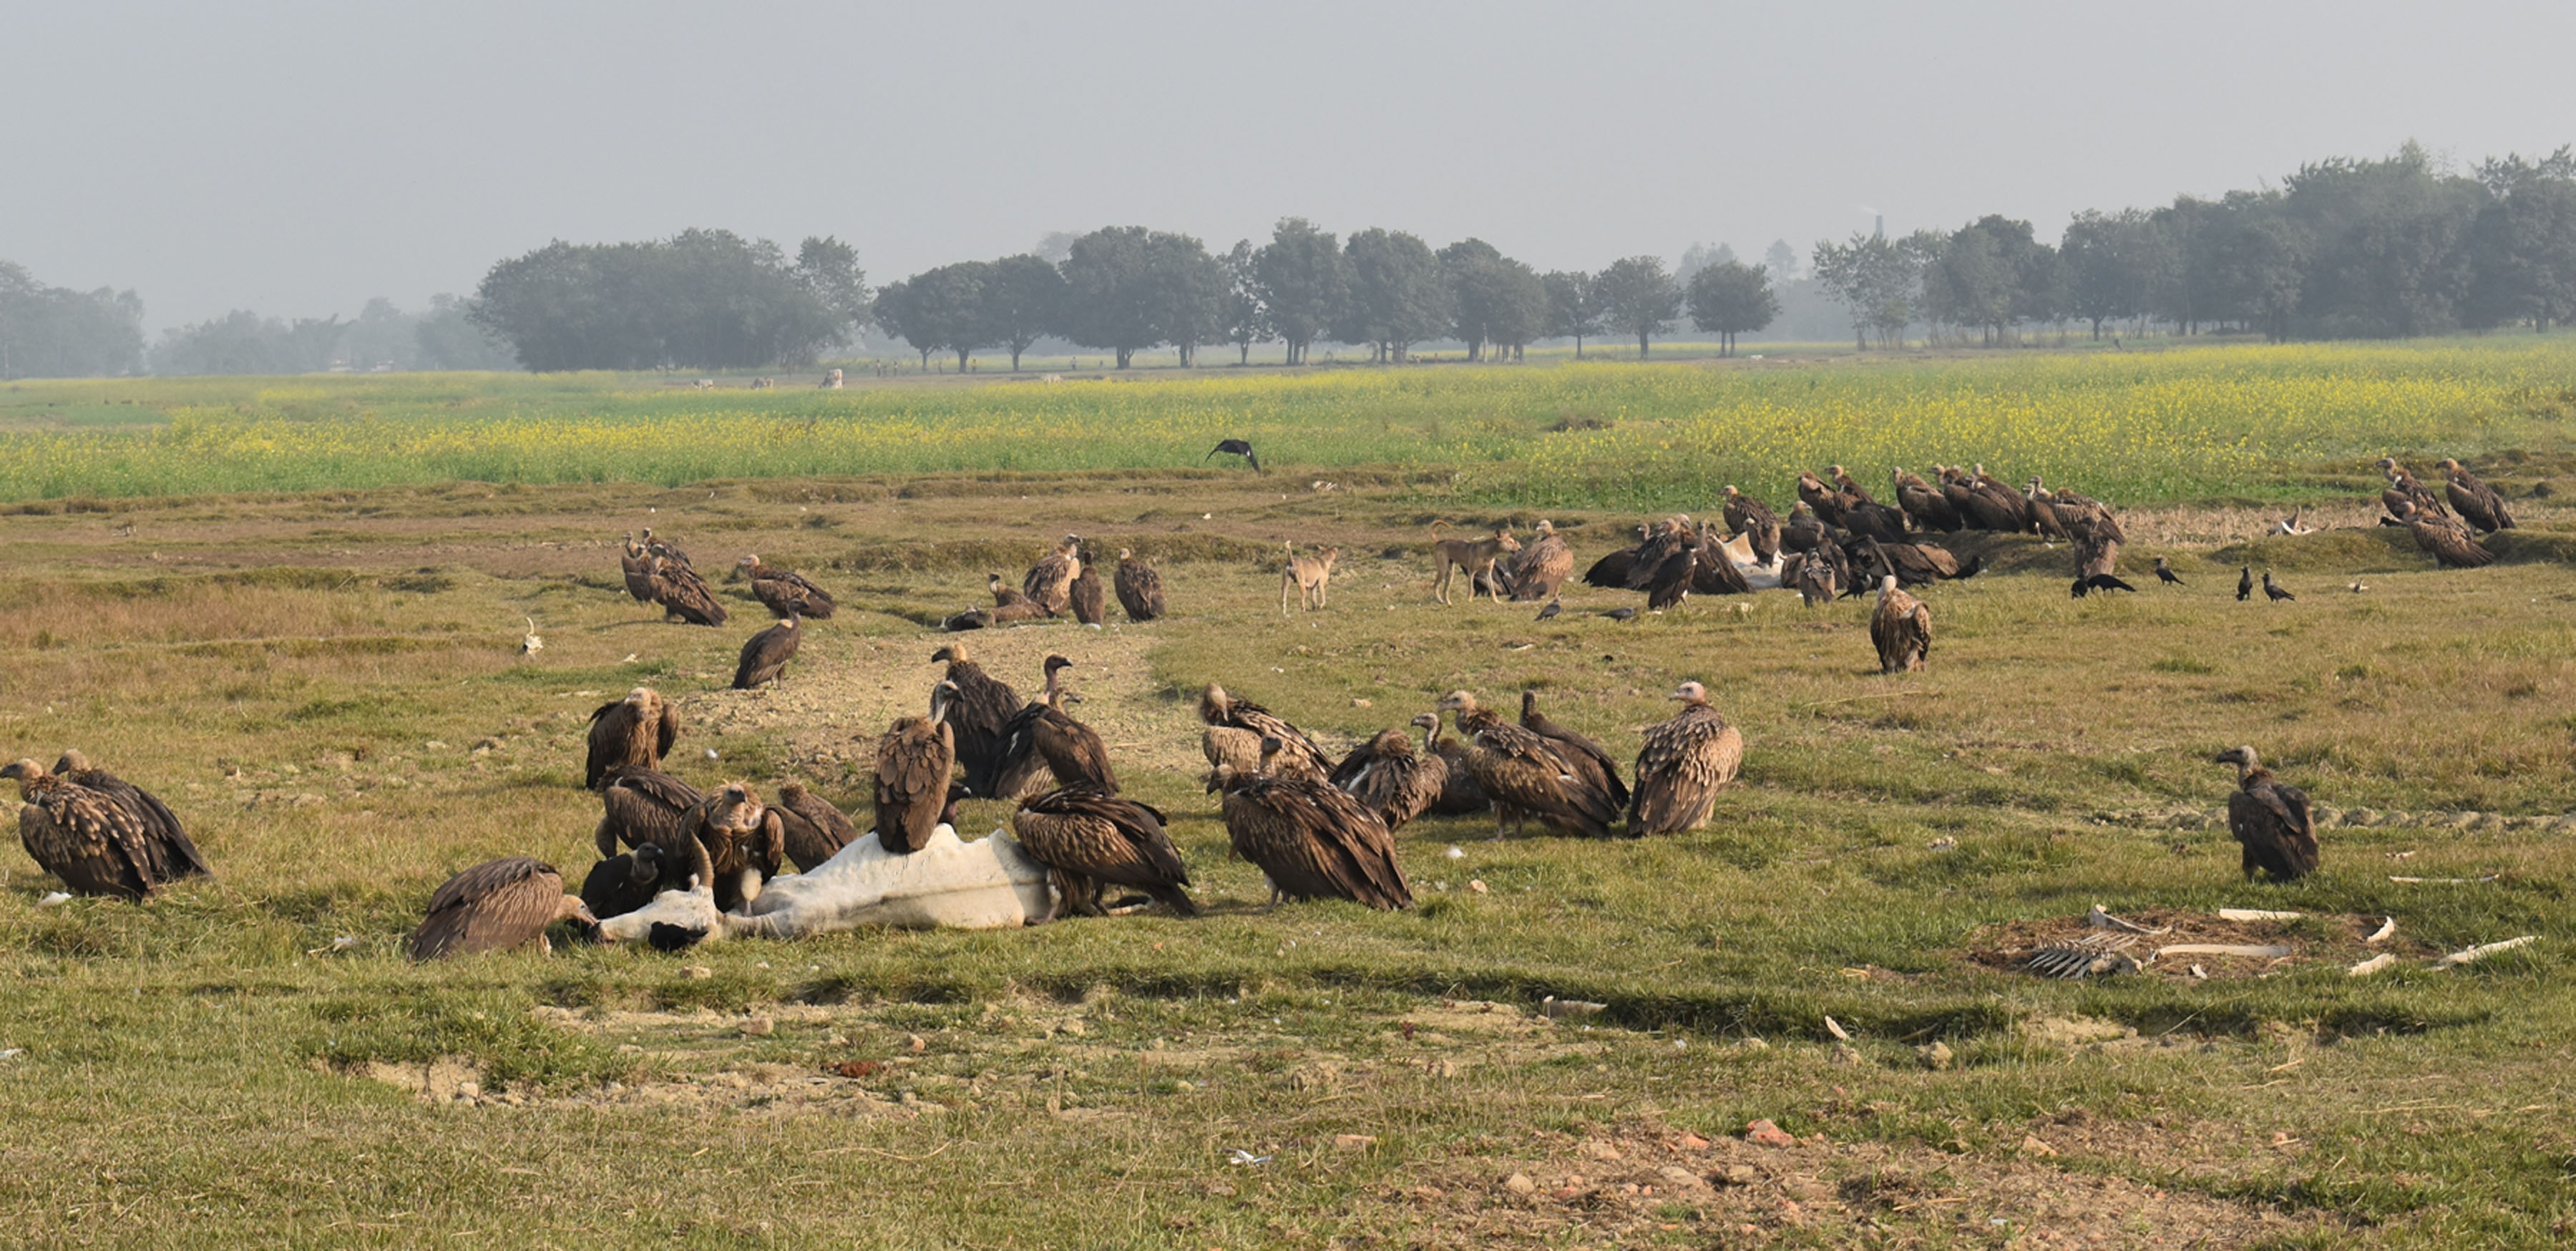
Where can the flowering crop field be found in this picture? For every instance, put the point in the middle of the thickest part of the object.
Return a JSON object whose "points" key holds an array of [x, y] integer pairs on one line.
{"points": [[2133, 427]]}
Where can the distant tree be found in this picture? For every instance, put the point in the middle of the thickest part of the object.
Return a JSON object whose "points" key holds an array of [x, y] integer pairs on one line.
{"points": [[829, 269], [1638, 297], [1398, 294], [56, 332], [2385, 243], [2260, 264], [1112, 296], [1573, 307], [1022, 299], [1495, 299], [1304, 282], [239, 342], [2107, 265], [1728, 298], [1878, 280], [1781, 261], [893, 310], [445, 338], [2524, 243], [950, 309], [1247, 319], [1191, 289], [1697, 257], [703, 299], [1992, 274]]}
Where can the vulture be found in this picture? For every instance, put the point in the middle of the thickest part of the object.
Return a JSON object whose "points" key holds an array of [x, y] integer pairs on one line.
{"points": [[1459, 794], [636, 731], [914, 759], [1537, 571], [1090, 600], [665, 549], [2271, 819], [1527, 774], [1803, 533], [494, 906], [2165, 573], [1681, 766], [684, 595], [971, 619], [1590, 762], [638, 567], [2245, 583], [1611, 571], [1139, 587], [1812, 576], [640, 804], [1009, 605], [2096, 555], [173, 854], [1981, 508], [95, 844], [1311, 840], [1913, 564], [1050, 581], [1902, 629], [1661, 540], [1041, 736], [1713, 571], [1826, 502], [1751, 517], [1853, 495], [1234, 447], [2006, 503], [1299, 756], [981, 708], [1925, 503], [816, 830], [1390, 779], [2080, 517], [1667, 582], [2275, 591], [2448, 542], [2404, 489], [2475, 501], [731, 842], [623, 883], [765, 655], [1088, 838], [783, 592]]}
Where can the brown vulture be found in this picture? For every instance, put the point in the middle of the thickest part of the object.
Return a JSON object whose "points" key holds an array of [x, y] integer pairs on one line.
{"points": [[1713, 570], [1803, 533], [1811, 576], [1139, 586], [1591, 763], [1537, 571], [2448, 542], [640, 805], [2080, 517], [1681, 766], [1925, 503], [174, 854], [983, 706], [495, 906], [765, 655], [1824, 501], [1611, 571], [684, 595], [95, 844], [1390, 779], [1459, 794], [783, 592], [1748, 516], [1663, 538], [1912, 564], [2271, 819], [665, 549], [1088, 838], [914, 760], [1050, 581], [1982, 509], [1311, 840], [816, 830], [2403, 488], [637, 565], [636, 731], [1901, 628], [2006, 503], [1042, 737], [1527, 775], [2475, 501], [1009, 605], [1299, 757], [1090, 600], [2096, 556], [624, 882], [1667, 582], [731, 842]]}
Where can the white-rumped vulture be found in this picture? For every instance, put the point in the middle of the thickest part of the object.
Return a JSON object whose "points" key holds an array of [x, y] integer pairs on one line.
{"points": [[174, 854], [1311, 840], [1087, 838], [1901, 628], [981, 712], [641, 805], [1527, 775], [914, 760], [1681, 766], [2271, 819], [636, 732], [495, 906], [1139, 586], [1392, 780], [816, 830], [783, 592], [1043, 738]]}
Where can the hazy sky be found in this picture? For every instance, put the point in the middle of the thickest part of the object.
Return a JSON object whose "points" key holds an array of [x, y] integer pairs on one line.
{"points": [[298, 158]]}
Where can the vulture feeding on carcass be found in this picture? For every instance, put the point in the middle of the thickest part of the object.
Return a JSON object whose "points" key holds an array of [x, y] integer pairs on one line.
{"points": [[1681, 766], [635, 732], [731, 842], [1392, 780], [640, 805], [2475, 501], [816, 830], [1050, 581], [914, 759], [1752, 518], [495, 906], [765, 655], [982, 709], [1528, 775], [783, 592], [1041, 737], [2271, 819], [1901, 628], [174, 854], [1088, 838], [1139, 586], [1311, 840], [623, 883]]}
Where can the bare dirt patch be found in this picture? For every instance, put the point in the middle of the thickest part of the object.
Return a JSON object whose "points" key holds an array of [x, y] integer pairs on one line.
{"points": [[2313, 940]]}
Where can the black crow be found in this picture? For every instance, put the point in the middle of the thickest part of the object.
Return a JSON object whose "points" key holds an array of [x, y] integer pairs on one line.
{"points": [[2165, 573]]}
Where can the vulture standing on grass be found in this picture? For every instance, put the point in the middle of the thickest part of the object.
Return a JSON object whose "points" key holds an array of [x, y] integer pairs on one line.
{"points": [[1090, 600], [1752, 518], [816, 830], [1010, 605], [1459, 794], [765, 655], [1042, 737], [981, 709], [731, 842], [495, 906], [1682, 765], [1611, 571], [1529, 775], [1901, 628], [1392, 780], [1713, 569], [2008, 505], [1982, 503], [1299, 756], [1050, 581], [637, 565], [1666, 566], [2404, 489], [1537, 571], [665, 549], [636, 731], [2448, 542], [174, 855], [1088, 838], [2475, 501], [640, 804], [1590, 762], [1311, 840], [2271, 819], [623, 883], [96, 845], [1139, 587], [684, 595], [914, 760], [783, 592], [1812, 577], [1927, 504]]}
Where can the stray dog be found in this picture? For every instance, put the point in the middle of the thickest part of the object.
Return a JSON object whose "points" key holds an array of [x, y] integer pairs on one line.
{"points": [[1476, 556], [1308, 575]]}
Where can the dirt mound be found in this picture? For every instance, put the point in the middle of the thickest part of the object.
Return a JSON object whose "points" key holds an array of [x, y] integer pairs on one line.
{"points": [[2313, 939]]}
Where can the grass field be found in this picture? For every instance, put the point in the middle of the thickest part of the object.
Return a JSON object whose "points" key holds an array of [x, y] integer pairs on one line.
{"points": [[321, 675]]}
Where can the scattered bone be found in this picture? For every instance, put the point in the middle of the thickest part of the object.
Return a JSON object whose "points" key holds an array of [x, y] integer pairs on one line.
{"points": [[2444, 881], [1835, 1028], [1561, 1008], [2255, 914], [2094, 953], [2372, 965], [2223, 949], [2101, 920], [2470, 955], [2381, 934]]}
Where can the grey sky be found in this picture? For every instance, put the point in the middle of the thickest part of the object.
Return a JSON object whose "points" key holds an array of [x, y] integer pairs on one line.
{"points": [[298, 158]]}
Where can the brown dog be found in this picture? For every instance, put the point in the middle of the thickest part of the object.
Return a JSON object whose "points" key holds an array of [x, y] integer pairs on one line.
{"points": [[1476, 556], [1309, 575]]}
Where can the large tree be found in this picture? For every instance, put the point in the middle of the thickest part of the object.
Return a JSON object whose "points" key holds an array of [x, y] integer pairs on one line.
{"points": [[1112, 297], [1992, 273], [2524, 244], [1247, 318], [1729, 298], [2385, 244], [1878, 280], [2107, 265], [1303, 282], [829, 269], [1023, 298], [1496, 299], [56, 332], [703, 299], [1573, 307], [943, 310], [1398, 296], [1191, 290], [1638, 297]]}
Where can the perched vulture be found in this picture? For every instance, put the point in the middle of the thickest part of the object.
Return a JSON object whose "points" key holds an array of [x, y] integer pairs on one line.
{"points": [[1390, 779], [1459, 794], [1299, 756], [2005, 503], [1925, 503], [1050, 581], [783, 592], [816, 830], [731, 842], [2447, 541], [640, 804], [173, 854], [1647, 565], [1089, 838], [1311, 840], [2271, 819], [765, 655], [685, 595], [637, 565], [2475, 501], [1681, 766], [1591, 763], [1713, 570], [1009, 605], [1090, 600], [623, 883], [1537, 571], [664, 549], [1139, 587], [95, 844], [1748, 516], [2404, 489], [983, 707], [1042, 737], [1804, 533], [1902, 629], [1826, 502], [636, 731], [1526, 774], [1667, 582], [495, 906], [2080, 517], [914, 760]]}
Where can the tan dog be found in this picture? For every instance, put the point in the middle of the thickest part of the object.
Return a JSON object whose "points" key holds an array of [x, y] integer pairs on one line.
{"points": [[1476, 556], [1309, 575]]}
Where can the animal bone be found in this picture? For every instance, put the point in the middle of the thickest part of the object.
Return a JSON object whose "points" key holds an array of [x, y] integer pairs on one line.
{"points": [[2255, 914], [2469, 955], [2223, 949], [2371, 965], [2101, 920]]}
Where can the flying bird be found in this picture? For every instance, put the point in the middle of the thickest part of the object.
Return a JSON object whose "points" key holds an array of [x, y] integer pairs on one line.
{"points": [[1235, 447]]}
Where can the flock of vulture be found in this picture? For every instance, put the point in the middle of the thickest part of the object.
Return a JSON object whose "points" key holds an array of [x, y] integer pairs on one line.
{"points": [[1318, 827]]}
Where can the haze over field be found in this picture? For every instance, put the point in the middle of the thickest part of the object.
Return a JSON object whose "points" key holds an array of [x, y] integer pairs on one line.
{"points": [[299, 159]]}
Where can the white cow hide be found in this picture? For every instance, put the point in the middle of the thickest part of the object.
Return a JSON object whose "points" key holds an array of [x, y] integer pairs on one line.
{"points": [[948, 884]]}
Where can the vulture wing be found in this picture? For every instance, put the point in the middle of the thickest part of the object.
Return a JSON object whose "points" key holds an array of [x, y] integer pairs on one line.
{"points": [[493, 906], [914, 760], [1680, 767], [94, 844]]}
